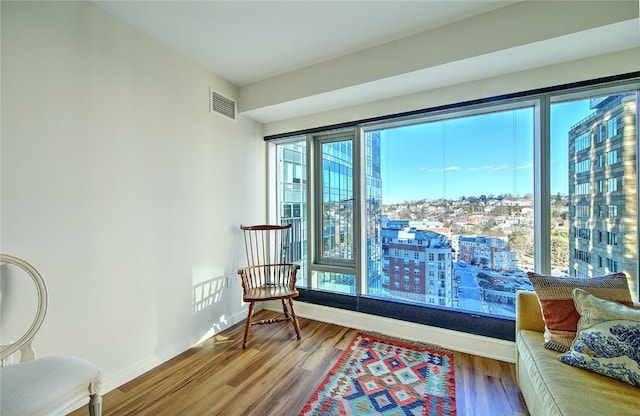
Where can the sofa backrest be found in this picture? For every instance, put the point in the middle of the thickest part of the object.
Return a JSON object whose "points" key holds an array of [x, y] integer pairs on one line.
{"points": [[528, 312]]}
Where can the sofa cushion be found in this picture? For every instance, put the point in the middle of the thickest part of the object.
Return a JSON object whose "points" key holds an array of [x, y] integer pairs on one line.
{"points": [[552, 388], [556, 299], [608, 339]]}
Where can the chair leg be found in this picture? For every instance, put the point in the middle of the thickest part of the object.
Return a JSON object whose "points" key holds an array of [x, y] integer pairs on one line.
{"points": [[247, 328], [95, 405], [296, 326], [285, 310]]}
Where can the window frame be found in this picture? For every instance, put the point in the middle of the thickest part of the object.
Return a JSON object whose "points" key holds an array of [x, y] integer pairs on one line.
{"points": [[465, 321], [319, 263]]}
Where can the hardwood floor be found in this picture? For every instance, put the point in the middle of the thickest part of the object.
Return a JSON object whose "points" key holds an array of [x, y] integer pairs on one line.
{"points": [[276, 374]]}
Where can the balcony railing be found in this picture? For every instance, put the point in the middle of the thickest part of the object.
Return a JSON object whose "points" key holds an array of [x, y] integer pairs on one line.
{"points": [[293, 251]]}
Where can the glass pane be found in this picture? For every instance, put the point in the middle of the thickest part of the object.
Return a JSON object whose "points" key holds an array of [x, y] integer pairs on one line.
{"points": [[336, 282], [593, 184], [292, 200], [337, 200], [450, 211]]}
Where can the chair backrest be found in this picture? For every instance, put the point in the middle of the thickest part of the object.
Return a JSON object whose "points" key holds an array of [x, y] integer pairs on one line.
{"points": [[267, 244], [283, 275], [24, 344], [268, 257]]}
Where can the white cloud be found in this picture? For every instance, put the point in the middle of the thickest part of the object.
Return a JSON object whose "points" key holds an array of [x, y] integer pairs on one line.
{"points": [[526, 166], [490, 167]]}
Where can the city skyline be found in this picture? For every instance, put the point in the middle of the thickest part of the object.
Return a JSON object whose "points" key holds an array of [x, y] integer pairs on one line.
{"points": [[444, 155]]}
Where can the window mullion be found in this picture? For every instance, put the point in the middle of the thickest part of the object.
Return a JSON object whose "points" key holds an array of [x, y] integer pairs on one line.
{"points": [[541, 187]]}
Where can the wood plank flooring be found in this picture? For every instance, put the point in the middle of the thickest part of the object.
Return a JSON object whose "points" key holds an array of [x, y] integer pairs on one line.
{"points": [[276, 374]]}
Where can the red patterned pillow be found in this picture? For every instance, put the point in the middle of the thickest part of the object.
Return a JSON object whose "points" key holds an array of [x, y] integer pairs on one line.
{"points": [[558, 310]]}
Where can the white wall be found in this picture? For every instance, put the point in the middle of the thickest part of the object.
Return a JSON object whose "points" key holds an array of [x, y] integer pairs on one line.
{"points": [[120, 187]]}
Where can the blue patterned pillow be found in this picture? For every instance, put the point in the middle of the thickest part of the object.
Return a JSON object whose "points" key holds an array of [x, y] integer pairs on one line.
{"points": [[608, 339]]}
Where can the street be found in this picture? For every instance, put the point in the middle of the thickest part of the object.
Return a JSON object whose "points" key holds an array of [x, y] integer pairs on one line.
{"points": [[469, 292]]}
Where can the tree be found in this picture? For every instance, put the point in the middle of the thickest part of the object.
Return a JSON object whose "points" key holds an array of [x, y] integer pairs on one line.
{"points": [[521, 243], [559, 248]]}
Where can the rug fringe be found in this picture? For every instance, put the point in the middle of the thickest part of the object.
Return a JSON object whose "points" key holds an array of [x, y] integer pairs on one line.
{"points": [[420, 344]]}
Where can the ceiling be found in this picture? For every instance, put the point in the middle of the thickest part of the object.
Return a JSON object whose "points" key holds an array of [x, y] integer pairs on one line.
{"points": [[248, 41]]}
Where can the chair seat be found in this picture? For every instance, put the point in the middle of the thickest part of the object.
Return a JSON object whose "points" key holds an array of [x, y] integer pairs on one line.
{"points": [[46, 386], [258, 294]]}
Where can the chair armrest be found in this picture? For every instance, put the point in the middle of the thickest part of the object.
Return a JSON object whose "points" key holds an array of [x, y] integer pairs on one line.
{"points": [[528, 312]]}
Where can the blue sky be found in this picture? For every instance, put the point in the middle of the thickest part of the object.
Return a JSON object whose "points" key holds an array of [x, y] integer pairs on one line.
{"points": [[489, 154]]}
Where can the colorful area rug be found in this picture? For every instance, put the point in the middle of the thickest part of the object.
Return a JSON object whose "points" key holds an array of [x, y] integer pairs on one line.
{"points": [[380, 376]]}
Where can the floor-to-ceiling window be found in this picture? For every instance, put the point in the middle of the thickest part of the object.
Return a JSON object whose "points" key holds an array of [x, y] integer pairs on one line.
{"points": [[443, 208], [455, 224]]}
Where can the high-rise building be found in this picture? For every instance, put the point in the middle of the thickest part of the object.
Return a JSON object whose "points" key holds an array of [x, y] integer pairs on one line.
{"points": [[491, 252], [418, 263], [292, 197], [603, 190]]}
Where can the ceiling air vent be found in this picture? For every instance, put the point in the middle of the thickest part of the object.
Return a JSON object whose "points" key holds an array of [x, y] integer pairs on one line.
{"points": [[222, 105]]}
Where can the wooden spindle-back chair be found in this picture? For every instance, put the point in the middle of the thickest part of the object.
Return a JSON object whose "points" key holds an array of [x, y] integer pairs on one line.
{"points": [[269, 274]]}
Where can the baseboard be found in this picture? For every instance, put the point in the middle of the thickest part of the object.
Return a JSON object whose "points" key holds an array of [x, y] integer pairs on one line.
{"points": [[454, 340], [113, 381]]}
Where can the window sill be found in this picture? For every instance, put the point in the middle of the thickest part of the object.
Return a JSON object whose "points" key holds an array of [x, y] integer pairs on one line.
{"points": [[476, 323]]}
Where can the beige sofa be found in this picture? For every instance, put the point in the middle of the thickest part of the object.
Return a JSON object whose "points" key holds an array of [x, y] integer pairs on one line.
{"points": [[551, 387]]}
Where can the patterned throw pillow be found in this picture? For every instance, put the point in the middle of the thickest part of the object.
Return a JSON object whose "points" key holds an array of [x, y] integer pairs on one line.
{"points": [[556, 300], [608, 340]]}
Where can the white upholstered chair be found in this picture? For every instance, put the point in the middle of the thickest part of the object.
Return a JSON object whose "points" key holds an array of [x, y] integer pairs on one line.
{"points": [[51, 385]]}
